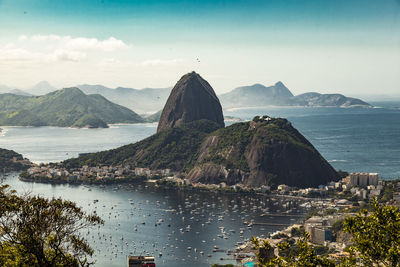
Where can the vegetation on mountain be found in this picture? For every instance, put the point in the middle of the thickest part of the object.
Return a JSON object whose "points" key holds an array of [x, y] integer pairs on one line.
{"points": [[90, 121], [7, 162], [36, 231], [63, 108], [264, 151], [174, 148]]}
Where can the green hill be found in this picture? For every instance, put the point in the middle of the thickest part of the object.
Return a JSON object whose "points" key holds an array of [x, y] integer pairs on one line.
{"points": [[265, 151], [11, 161], [173, 148], [66, 107], [90, 121]]}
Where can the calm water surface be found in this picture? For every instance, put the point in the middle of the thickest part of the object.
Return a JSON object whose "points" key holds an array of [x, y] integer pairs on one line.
{"points": [[174, 220]]}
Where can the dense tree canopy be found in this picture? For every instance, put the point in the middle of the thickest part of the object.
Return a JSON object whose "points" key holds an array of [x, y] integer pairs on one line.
{"points": [[375, 236], [36, 231]]}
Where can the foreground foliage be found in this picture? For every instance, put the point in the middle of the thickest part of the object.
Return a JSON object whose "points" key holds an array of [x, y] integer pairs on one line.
{"points": [[35, 231], [299, 254], [375, 236]]}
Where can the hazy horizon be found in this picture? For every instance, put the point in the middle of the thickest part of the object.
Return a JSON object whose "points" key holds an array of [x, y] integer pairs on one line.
{"points": [[366, 97], [348, 47]]}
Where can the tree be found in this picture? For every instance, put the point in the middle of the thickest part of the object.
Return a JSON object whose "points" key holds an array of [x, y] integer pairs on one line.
{"points": [[376, 242], [376, 235], [35, 231], [299, 254]]}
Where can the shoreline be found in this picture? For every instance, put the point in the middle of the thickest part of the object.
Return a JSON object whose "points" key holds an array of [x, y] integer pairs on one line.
{"points": [[61, 181], [171, 186]]}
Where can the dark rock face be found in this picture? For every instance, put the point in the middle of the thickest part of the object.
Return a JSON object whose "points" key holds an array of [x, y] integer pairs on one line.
{"points": [[286, 163], [191, 99], [262, 152], [211, 173]]}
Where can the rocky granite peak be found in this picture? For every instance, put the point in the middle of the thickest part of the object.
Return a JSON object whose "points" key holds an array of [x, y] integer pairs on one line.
{"points": [[265, 151], [191, 99]]}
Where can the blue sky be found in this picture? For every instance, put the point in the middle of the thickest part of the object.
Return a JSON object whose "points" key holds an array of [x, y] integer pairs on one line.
{"points": [[348, 46]]}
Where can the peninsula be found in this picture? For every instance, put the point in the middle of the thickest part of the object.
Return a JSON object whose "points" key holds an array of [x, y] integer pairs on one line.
{"points": [[193, 143]]}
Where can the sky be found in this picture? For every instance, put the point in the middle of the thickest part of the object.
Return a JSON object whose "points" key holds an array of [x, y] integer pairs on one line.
{"points": [[343, 46]]}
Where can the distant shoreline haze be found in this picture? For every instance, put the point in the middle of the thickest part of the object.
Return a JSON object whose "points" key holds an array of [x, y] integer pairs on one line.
{"points": [[151, 100]]}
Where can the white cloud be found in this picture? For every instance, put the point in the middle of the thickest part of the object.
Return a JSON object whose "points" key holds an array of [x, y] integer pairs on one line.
{"points": [[108, 45], [45, 38], [160, 62], [68, 55], [53, 48], [22, 38], [81, 43], [10, 52]]}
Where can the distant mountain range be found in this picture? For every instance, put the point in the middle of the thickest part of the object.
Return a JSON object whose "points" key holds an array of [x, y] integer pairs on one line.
{"points": [[279, 95], [151, 100], [148, 100], [65, 108], [41, 88], [5, 89]]}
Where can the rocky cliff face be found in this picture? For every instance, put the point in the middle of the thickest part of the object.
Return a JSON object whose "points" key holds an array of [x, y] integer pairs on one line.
{"points": [[191, 99], [265, 151]]}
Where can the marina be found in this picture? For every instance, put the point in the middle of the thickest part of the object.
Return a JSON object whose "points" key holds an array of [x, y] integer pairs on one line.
{"points": [[174, 226]]}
